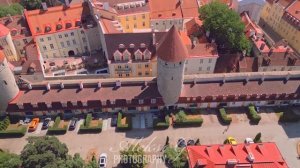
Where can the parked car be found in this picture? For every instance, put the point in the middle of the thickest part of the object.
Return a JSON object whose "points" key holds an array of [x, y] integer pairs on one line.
{"points": [[114, 120], [190, 142], [102, 160], [231, 140], [46, 123], [181, 143], [73, 124], [27, 120], [33, 124], [249, 141]]}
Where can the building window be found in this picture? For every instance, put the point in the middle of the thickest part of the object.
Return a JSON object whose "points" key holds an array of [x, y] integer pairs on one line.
{"points": [[84, 39], [49, 38], [126, 66], [139, 66], [140, 73], [62, 44], [209, 61], [72, 33], [59, 36], [86, 49], [141, 101], [44, 47], [66, 35], [68, 43], [127, 75], [119, 67], [134, 25], [120, 75], [201, 61], [134, 17], [127, 27], [146, 65], [51, 46], [74, 41], [153, 101], [25, 41], [4, 82], [81, 31], [146, 73], [144, 24], [41, 40], [127, 19]]}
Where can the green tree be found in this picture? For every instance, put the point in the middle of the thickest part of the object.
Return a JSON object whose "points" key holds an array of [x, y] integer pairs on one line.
{"points": [[9, 160], [92, 163], [180, 116], [225, 26], [13, 9], [31, 4], [133, 157], [176, 157], [48, 152], [257, 138]]}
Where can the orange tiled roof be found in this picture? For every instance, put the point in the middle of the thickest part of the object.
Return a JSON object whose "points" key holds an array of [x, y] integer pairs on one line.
{"points": [[172, 48], [3, 30], [164, 9], [39, 20], [294, 10]]}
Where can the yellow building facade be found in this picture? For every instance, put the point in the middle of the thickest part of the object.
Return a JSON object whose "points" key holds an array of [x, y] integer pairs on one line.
{"points": [[274, 14], [135, 21]]}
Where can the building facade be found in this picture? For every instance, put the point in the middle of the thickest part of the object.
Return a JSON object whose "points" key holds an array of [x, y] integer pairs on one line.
{"points": [[7, 44], [284, 18]]}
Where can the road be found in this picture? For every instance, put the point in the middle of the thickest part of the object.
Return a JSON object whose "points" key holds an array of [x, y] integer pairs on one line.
{"points": [[286, 136]]}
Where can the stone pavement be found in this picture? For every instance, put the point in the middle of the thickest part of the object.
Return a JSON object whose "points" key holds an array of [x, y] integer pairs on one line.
{"points": [[286, 136]]}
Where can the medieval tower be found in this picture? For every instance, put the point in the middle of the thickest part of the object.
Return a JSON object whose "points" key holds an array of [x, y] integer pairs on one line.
{"points": [[8, 87], [171, 54]]}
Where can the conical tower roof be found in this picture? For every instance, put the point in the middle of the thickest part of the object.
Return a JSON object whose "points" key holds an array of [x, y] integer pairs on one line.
{"points": [[172, 48]]}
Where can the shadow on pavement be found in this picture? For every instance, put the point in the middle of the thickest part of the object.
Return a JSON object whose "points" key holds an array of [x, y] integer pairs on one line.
{"points": [[138, 133]]}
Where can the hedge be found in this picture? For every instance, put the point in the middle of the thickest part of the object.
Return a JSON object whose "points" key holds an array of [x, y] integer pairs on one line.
{"points": [[161, 125], [14, 133], [252, 114], [189, 123], [4, 124], [123, 127], [55, 130], [85, 128], [224, 117]]}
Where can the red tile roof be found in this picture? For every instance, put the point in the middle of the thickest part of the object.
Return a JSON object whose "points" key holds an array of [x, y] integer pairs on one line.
{"points": [[266, 155], [67, 17], [190, 8], [165, 9], [171, 47], [203, 50], [17, 26], [2, 56], [292, 9], [4, 31]]}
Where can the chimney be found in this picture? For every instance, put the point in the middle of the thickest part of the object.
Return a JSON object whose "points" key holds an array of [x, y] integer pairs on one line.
{"points": [[62, 85], [153, 38], [262, 46], [10, 18], [29, 86], [48, 87], [44, 5], [81, 85]]}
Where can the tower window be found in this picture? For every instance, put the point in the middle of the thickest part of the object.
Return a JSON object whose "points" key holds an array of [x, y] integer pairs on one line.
{"points": [[5, 82]]}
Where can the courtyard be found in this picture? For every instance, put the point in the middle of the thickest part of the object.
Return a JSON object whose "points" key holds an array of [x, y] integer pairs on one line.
{"points": [[109, 141]]}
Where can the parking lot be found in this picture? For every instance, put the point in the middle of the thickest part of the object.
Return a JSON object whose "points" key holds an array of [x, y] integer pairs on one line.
{"points": [[211, 132]]}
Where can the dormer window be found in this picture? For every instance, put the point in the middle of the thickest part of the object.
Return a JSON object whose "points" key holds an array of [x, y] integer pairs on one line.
{"points": [[13, 32], [121, 46], [38, 30], [68, 24], [126, 55], [138, 55], [48, 28], [147, 54], [78, 23], [117, 55], [143, 45], [131, 45], [59, 26]]}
